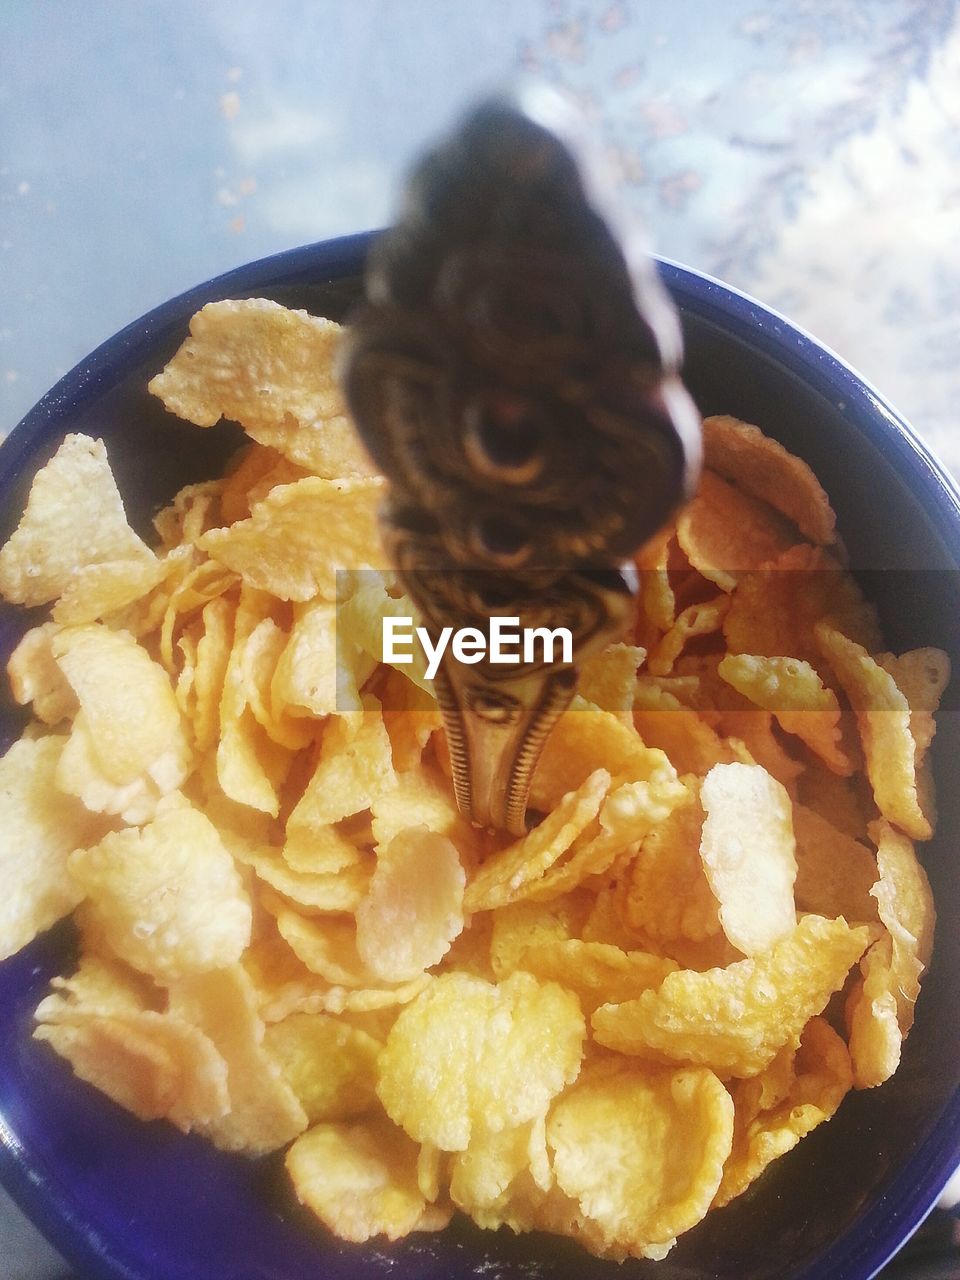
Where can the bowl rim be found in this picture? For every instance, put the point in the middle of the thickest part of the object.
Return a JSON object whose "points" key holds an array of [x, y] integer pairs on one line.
{"points": [[888, 1223]]}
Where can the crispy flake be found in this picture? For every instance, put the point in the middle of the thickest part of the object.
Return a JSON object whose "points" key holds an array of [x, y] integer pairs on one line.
{"points": [[794, 692], [726, 532], [749, 854], [167, 896], [74, 518], [820, 1078], [300, 534], [883, 718], [39, 828], [413, 909], [641, 1152], [271, 370], [763, 468], [469, 1055], [361, 1180], [757, 1005]]}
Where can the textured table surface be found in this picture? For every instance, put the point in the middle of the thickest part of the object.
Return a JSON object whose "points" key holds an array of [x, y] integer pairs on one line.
{"points": [[806, 151]]}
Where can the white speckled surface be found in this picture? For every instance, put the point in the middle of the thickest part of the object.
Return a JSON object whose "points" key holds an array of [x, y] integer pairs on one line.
{"points": [[807, 151]]}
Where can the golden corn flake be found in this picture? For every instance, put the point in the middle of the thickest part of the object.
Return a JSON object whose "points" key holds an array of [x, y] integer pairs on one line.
{"points": [[585, 739], [243, 830], [656, 593], [905, 905], [39, 828], [74, 518], [354, 768], [701, 619], [213, 656], [143, 616], [35, 676], [127, 747], [282, 983], [505, 1178], [105, 1020], [167, 895], [750, 735], [641, 1152], [524, 924], [261, 652], [124, 696], [749, 855], [100, 986], [626, 816], [297, 538], [152, 1064], [282, 472], [264, 1110], [194, 510], [793, 691], [609, 679], [186, 672], [763, 468], [325, 850], [413, 909], [421, 797], [430, 1167], [774, 609], [606, 919], [668, 895], [361, 1180], [372, 999], [191, 590], [468, 1054], [98, 590], [921, 676], [770, 1087], [821, 1078], [873, 1018], [725, 532], [251, 473], [307, 679], [327, 945], [316, 892], [835, 872], [270, 369], [361, 616], [525, 1206], [482, 1175], [331, 1066], [250, 765], [597, 972], [663, 721], [757, 1005], [316, 968], [505, 875], [411, 716], [883, 717]]}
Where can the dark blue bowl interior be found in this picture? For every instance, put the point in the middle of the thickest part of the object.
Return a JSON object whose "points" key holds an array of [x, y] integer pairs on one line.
{"points": [[142, 1202]]}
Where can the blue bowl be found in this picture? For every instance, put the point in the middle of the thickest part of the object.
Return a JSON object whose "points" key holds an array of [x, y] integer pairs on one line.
{"points": [[129, 1201]]}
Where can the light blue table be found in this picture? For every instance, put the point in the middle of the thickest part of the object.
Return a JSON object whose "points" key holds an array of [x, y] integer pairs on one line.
{"points": [[806, 151]]}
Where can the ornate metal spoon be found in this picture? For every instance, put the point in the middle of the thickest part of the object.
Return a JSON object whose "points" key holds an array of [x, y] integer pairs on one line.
{"points": [[514, 374]]}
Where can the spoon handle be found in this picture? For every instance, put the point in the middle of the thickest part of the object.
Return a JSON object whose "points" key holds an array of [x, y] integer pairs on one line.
{"points": [[514, 373]]}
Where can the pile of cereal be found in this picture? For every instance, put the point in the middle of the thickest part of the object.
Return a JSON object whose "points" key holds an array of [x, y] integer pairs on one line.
{"points": [[291, 938]]}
